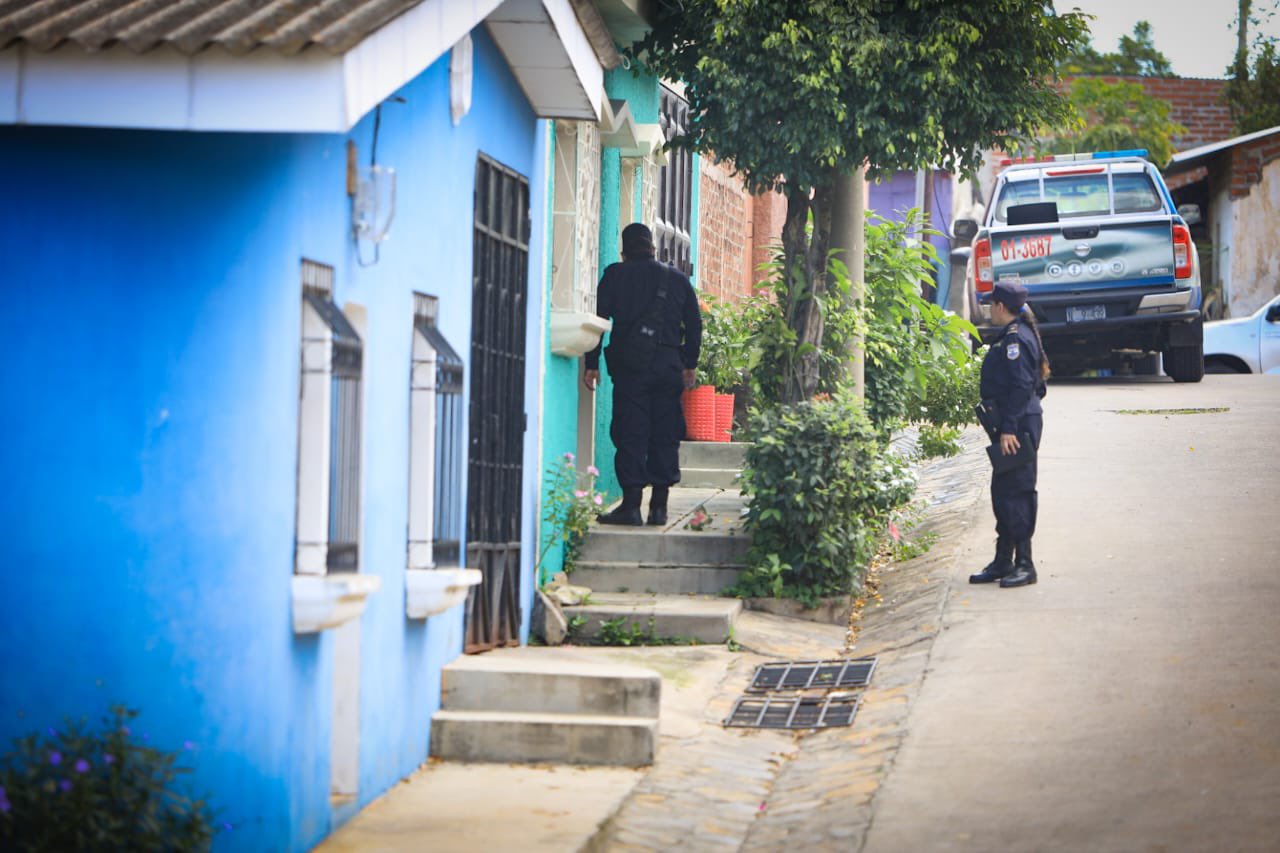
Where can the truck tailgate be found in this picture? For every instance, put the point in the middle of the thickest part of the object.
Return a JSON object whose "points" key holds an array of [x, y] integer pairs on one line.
{"points": [[1085, 254]]}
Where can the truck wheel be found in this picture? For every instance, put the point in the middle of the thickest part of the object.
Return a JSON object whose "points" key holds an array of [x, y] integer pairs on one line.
{"points": [[1185, 364]]}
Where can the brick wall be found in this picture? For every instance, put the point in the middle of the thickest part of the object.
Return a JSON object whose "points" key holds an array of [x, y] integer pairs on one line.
{"points": [[1248, 161], [1194, 102], [769, 213], [724, 232]]}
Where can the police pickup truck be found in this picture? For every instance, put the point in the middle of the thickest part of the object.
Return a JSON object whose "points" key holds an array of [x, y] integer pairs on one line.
{"points": [[1105, 255]]}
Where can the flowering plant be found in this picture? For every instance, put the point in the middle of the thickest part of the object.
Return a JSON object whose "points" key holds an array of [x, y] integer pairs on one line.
{"points": [[571, 505], [78, 789]]}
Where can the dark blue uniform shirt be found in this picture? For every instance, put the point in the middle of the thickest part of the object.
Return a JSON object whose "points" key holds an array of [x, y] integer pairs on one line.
{"points": [[1011, 376], [626, 291]]}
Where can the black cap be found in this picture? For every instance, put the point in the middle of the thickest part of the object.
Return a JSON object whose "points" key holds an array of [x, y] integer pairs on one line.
{"points": [[637, 241], [1010, 294]]}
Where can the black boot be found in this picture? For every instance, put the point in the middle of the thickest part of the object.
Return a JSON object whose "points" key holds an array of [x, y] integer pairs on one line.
{"points": [[658, 505], [998, 568], [627, 512], [1024, 571]]}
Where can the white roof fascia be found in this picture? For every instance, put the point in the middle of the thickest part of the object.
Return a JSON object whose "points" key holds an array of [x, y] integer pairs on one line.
{"points": [[264, 91], [551, 58], [1213, 147]]}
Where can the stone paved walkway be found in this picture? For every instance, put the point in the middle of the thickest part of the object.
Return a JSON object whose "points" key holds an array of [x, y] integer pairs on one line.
{"points": [[747, 789]]}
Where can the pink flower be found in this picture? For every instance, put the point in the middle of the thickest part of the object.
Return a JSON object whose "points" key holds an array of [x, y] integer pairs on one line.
{"points": [[598, 500], [568, 457], [579, 494], [593, 471], [893, 531]]}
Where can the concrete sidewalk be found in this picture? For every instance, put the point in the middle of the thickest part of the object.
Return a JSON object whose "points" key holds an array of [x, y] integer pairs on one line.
{"points": [[710, 788]]}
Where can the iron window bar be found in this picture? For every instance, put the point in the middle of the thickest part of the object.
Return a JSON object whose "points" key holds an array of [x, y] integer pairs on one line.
{"points": [[673, 228], [346, 367], [446, 543], [812, 675]]}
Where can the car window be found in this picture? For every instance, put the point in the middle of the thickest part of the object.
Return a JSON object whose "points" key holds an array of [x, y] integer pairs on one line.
{"points": [[1134, 194], [1084, 195]]}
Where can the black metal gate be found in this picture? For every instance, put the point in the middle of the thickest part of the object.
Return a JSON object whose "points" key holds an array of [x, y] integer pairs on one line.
{"points": [[500, 258]]}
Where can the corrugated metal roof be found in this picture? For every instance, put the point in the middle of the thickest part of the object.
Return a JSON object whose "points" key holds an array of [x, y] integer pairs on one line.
{"points": [[191, 26]]}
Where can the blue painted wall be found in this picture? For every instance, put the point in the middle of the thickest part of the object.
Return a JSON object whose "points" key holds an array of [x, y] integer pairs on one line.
{"points": [[150, 444]]}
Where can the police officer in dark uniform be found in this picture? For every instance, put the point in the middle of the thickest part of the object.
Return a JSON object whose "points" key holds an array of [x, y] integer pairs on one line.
{"points": [[648, 421], [1013, 383]]}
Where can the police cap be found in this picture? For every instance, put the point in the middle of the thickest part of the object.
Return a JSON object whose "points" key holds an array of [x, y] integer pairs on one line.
{"points": [[1010, 294]]}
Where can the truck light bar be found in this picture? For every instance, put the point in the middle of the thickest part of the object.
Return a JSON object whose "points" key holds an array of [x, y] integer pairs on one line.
{"points": [[1068, 158]]}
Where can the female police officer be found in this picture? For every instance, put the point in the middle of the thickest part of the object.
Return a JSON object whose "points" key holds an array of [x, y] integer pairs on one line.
{"points": [[1013, 375]]}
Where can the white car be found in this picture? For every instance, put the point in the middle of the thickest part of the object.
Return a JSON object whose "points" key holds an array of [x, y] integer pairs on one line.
{"points": [[1245, 345]]}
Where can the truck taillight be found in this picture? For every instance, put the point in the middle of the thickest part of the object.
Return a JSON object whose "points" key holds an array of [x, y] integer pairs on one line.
{"points": [[982, 265], [1182, 261]]}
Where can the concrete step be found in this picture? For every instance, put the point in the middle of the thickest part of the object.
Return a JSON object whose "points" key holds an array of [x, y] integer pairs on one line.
{"points": [[645, 618], [654, 546], [661, 579], [708, 478], [712, 454], [523, 737], [491, 683]]}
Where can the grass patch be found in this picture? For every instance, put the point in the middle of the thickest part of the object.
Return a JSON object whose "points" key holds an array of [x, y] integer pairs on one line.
{"points": [[1202, 411]]}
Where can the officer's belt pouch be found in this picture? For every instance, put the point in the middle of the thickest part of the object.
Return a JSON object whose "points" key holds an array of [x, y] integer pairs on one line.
{"points": [[988, 412]]}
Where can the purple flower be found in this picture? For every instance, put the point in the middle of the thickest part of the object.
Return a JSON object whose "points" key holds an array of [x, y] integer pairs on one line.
{"points": [[188, 745], [82, 766], [227, 826], [64, 785], [55, 758], [108, 758]]}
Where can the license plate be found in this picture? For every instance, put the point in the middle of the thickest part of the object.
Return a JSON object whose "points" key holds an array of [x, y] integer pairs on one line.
{"points": [[1085, 313]]}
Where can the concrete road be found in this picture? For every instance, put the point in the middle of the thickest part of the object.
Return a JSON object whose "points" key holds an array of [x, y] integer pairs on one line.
{"points": [[1131, 699]]}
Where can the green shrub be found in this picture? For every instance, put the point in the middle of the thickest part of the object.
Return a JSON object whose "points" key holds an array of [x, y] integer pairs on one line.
{"points": [[570, 508], [822, 487], [104, 790], [725, 353]]}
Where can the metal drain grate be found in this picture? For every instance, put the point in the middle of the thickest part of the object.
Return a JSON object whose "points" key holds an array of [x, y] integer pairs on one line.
{"points": [[812, 675], [793, 712]]}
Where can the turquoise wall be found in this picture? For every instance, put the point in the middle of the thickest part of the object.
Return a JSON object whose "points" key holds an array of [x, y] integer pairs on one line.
{"points": [[153, 281]]}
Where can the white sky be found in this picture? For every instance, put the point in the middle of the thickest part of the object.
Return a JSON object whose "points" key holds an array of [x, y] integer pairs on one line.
{"points": [[1198, 36]]}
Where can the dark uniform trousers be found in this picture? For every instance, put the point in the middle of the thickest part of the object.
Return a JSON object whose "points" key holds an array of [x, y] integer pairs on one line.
{"points": [[648, 422], [1014, 498]]}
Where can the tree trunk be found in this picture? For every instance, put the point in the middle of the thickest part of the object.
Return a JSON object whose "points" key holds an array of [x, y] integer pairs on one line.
{"points": [[1242, 42], [805, 247], [848, 234]]}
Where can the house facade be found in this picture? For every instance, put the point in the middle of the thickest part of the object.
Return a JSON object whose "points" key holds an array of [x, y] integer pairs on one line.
{"points": [[277, 286]]}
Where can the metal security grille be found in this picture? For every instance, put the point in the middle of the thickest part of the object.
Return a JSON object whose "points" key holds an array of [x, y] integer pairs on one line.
{"points": [[794, 712], [346, 367], [500, 257], [672, 230], [447, 526], [808, 675]]}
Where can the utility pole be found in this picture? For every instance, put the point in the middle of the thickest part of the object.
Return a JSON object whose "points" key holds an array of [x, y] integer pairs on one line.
{"points": [[848, 234]]}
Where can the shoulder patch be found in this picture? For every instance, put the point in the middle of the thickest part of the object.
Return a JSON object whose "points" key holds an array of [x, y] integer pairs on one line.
{"points": [[1012, 351]]}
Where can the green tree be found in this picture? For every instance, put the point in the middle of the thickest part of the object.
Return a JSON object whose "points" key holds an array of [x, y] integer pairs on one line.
{"points": [[1253, 93], [795, 95], [1117, 115], [1136, 56]]}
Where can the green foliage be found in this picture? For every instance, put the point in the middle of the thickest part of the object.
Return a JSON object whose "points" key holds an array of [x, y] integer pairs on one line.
{"points": [[821, 487], [796, 95], [936, 440], [800, 92], [725, 345], [913, 348], [86, 789], [622, 631], [1136, 56], [1117, 115], [571, 506], [1253, 95]]}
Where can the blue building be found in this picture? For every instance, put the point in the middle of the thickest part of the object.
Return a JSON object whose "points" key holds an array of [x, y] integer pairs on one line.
{"points": [[275, 290]]}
